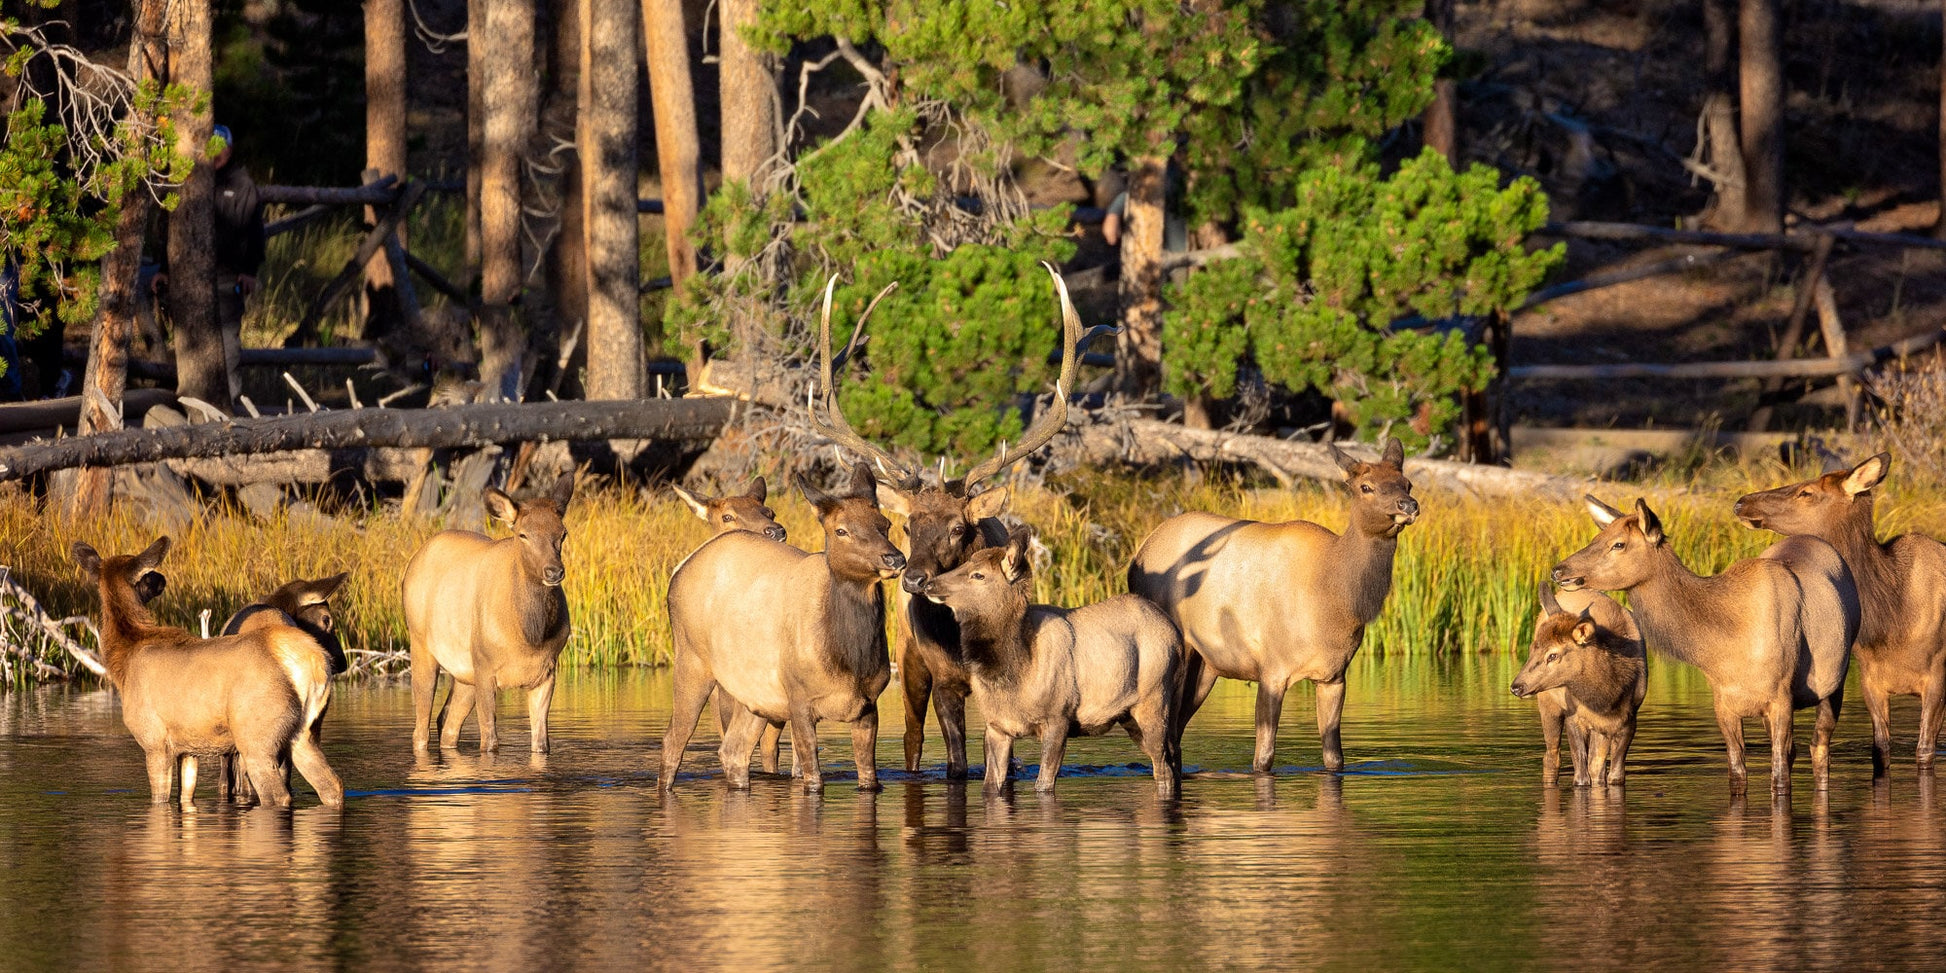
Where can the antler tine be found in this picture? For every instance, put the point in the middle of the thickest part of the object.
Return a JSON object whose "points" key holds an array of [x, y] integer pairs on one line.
{"points": [[834, 426], [1049, 423]]}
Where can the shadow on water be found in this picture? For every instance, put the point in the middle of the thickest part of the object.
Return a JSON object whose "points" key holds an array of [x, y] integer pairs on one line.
{"points": [[1437, 848]]}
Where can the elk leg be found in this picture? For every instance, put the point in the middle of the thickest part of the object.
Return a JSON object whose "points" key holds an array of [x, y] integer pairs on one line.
{"points": [[1618, 753], [1598, 749], [1878, 703], [1578, 751], [1331, 708], [1198, 678], [189, 782], [1828, 708], [224, 767], [1932, 708], [485, 687], [767, 745], [460, 700], [1782, 742], [1157, 741], [1732, 727], [316, 770], [726, 708], [864, 748], [162, 775], [425, 681], [916, 682], [1552, 722], [1000, 755], [952, 726], [734, 751], [692, 691], [539, 700], [804, 743], [268, 778], [1054, 749]]}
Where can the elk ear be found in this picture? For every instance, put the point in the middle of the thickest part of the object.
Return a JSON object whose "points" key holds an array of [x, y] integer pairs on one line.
{"points": [[86, 557], [863, 484], [1584, 633], [812, 495], [1549, 604], [1867, 475], [698, 507], [1603, 513], [563, 491], [1651, 524], [323, 588], [1018, 561], [1343, 459], [759, 490], [1395, 452], [894, 500], [987, 503], [500, 506], [151, 558]]}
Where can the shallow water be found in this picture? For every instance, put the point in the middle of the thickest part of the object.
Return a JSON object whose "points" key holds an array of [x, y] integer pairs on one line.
{"points": [[1439, 849]]}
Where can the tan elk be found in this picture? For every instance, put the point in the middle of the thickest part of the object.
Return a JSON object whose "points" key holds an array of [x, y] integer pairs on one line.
{"points": [[257, 693], [491, 615], [1588, 674], [1901, 586], [1745, 628], [946, 521], [305, 605], [1050, 672], [1274, 603]]}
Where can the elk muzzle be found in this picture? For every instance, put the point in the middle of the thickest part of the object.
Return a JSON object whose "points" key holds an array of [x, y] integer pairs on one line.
{"points": [[1407, 512], [915, 581], [1520, 689], [1747, 511], [1566, 579], [553, 575], [775, 532], [891, 564]]}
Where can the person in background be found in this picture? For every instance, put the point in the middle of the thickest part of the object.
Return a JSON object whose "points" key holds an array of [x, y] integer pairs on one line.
{"points": [[239, 241], [10, 387]]}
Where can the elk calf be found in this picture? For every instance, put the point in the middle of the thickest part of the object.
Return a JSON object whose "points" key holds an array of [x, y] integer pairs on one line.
{"points": [[258, 693], [305, 605], [1588, 673], [1901, 589], [1050, 672], [490, 614]]}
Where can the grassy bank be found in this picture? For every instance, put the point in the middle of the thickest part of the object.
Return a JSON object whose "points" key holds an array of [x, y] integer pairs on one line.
{"points": [[1465, 580]]}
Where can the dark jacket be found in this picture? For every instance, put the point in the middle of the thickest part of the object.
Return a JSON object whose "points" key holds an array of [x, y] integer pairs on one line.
{"points": [[239, 231]]}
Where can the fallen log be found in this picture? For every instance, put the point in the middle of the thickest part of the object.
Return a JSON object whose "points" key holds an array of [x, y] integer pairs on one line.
{"points": [[47, 414], [377, 193], [682, 420], [1795, 368]]}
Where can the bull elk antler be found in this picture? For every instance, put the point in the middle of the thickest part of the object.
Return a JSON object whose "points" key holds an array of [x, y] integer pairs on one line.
{"points": [[836, 427]]}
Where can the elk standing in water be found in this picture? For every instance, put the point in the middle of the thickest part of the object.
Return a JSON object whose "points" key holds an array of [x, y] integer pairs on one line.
{"points": [[305, 605], [1276, 603], [491, 614], [1588, 673], [256, 693], [1744, 628], [1901, 586], [1049, 672]]}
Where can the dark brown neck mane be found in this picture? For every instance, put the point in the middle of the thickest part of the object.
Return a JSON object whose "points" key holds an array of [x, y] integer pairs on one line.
{"points": [[997, 647]]}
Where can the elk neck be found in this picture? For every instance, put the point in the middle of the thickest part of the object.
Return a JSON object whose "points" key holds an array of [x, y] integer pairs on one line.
{"points": [[1872, 568], [542, 609], [126, 625], [1363, 567], [996, 644], [1608, 676], [1674, 605], [854, 625]]}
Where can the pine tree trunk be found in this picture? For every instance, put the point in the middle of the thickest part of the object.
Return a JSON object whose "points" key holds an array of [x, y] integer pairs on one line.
{"points": [[1441, 120], [511, 103], [105, 376], [1760, 71], [678, 155], [1139, 363], [748, 82], [384, 145], [606, 134], [478, 46], [200, 368], [567, 256], [1722, 150]]}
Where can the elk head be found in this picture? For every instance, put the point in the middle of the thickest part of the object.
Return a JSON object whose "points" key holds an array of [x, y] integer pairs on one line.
{"points": [[537, 524], [124, 578], [1620, 557], [1559, 650], [1381, 496], [741, 511], [855, 541], [993, 582], [1817, 505], [309, 601]]}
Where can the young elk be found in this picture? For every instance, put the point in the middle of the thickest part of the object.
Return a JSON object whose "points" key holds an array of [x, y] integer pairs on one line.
{"points": [[1901, 586], [1745, 628], [307, 606], [257, 693], [789, 635], [1044, 671], [947, 521], [1276, 603], [1588, 673], [491, 614]]}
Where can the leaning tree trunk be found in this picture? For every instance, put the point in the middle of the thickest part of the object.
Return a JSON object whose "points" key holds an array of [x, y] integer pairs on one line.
{"points": [[567, 259], [384, 145], [678, 155], [748, 82], [1139, 363], [1761, 95], [106, 374], [511, 99], [1721, 152], [606, 134], [200, 369]]}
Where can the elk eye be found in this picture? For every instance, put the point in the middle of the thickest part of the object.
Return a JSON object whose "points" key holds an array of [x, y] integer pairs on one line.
{"points": [[978, 576], [841, 532], [1553, 657], [727, 518], [1805, 494], [1619, 545], [959, 529], [1365, 487]]}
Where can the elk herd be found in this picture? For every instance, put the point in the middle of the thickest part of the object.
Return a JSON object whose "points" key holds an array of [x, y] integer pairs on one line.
{"points": [[778, 639]]}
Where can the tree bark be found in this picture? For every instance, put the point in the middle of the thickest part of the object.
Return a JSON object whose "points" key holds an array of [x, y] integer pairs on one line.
{"points": [[1761, 96], [567, 261], [607, 137], [1441, 119], [384, 146], [200, 368], [1721, 151], [1939, 223], [678, 154], [478, 47], [1139, 363], [511, 101], [748, 83]]}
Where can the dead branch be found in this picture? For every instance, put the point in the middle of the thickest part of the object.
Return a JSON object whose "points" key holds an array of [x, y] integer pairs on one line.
{"points": [[28, 609]]}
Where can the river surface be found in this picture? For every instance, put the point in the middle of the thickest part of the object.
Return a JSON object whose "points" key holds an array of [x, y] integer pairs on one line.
{"points": [[1439, 849]]}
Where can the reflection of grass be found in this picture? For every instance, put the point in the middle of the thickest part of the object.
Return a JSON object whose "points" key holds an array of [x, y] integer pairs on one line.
{"points": [[1465, 580]]}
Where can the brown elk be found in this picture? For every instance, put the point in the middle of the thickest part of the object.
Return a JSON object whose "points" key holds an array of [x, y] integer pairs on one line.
{"points": [[490, 614], [1750, 629], [256, 693], [305, 605], [946, 522], [1588, 673], [1277, 603], [1050, 672], [1901, 586]]}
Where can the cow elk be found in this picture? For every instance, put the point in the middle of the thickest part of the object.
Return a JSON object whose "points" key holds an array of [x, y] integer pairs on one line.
{"points": [[1588, 674], [258, 693], [1050, 672], [1275, 603], [1751, 629], [491, 615], [1901, 586]]}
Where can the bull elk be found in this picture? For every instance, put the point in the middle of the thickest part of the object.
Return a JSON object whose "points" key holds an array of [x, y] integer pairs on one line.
{"points": [[1588, 674], [490, 614], [1901, 586], [1050, 672], [1275, 603], [1759, 631], [257, 693]]}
